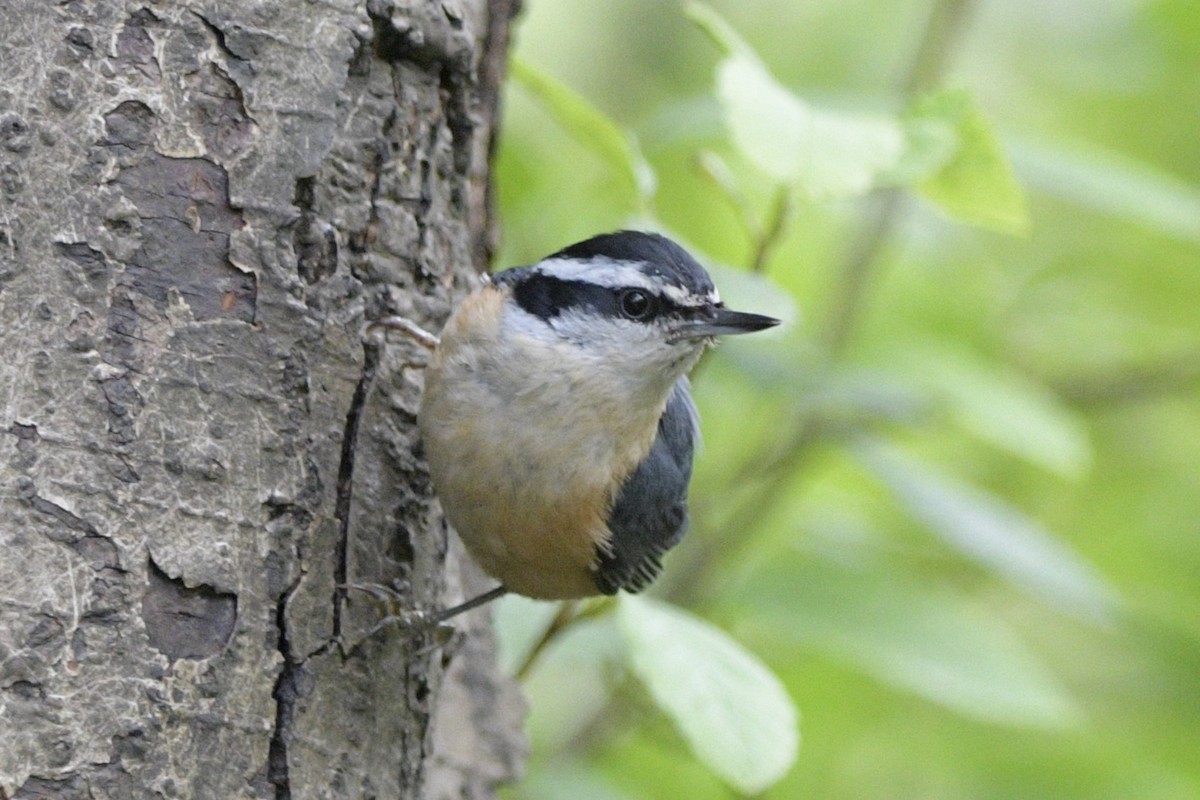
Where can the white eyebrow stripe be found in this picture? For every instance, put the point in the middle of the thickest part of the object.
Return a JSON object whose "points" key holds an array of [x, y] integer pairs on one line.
{"points": [[600, 271], [612, 274]]}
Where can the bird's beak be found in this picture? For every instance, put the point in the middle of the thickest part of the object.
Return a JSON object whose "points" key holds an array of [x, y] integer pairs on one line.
{"points": [[721, 321]]}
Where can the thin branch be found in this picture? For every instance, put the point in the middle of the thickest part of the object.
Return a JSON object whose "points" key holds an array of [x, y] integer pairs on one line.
{"points": [[770, 234], [858, 268], [943, 27], [764, 235], [567, 616], [943, 31], [562, 620]]}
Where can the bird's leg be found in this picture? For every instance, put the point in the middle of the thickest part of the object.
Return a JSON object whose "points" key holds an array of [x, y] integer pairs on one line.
{"points": [[475, 602], [391, 599], [414, 622]]}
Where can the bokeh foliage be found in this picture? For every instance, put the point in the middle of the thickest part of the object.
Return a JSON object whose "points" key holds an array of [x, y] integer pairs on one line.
{"points": [[955, 505]]}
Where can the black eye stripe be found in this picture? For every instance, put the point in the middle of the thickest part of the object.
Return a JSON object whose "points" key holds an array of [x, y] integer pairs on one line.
{"points": [[546, 297]]}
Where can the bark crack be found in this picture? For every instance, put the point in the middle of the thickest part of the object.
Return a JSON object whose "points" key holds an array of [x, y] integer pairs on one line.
{"points": [[218, 35], [345, 482], [85, 539], [361, 240], [278, 769], [70, 520]]}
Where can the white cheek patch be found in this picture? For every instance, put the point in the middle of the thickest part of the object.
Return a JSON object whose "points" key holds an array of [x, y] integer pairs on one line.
{"points": [[604, 336], [603, 342], [610, 336]]}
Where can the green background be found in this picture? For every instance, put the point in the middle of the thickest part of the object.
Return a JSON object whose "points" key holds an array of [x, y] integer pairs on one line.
{"points": [[954, 504]]}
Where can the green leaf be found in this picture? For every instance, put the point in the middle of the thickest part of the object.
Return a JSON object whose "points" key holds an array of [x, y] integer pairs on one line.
{"points": [[910, 636], [987, 530], [976, 185], [733, 712], [1112, 184], [929, 146], [825, 154], [1001, 406], [615, 146], [945, 146]]}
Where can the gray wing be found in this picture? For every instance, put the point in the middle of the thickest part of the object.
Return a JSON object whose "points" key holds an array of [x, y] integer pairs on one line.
{"points": [[649, 515]]}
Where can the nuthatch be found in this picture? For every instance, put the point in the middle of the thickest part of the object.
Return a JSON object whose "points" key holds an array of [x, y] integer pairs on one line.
{"points": [[557, 419]]}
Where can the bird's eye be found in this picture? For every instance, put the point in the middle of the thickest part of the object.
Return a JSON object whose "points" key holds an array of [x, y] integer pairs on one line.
{"points": [[636, 304]]}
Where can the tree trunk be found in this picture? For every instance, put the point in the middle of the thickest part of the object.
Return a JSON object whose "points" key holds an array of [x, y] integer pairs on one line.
{"points": [[201, 203]]}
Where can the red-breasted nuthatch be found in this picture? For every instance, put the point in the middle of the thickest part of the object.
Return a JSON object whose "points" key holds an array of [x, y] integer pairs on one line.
{"points": [[557, 419]]}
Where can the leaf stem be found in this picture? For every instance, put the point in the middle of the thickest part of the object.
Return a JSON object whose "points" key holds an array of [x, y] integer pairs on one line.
{"points": [[770, 233], [568, 614]]}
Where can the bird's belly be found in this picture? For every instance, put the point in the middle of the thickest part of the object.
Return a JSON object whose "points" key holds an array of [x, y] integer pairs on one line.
{"points": [[526, 449], [545, 555], [529, 502]]}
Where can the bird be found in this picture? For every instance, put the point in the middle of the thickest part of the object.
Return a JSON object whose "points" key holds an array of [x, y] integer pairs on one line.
{"points": [[557, 417]]}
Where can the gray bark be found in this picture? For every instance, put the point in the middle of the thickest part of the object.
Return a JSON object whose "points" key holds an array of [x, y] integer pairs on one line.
{"points": [[200, 203]]}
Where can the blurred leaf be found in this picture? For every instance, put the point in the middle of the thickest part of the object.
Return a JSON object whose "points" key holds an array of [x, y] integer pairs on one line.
{"points": [[733, 712], [1002, 407], [1111, 184], [848, 398], [825, 154], [975, 184], [720, 31], [929, 146], [716, 171], [987, 530], [617, 147], [909, 636]]}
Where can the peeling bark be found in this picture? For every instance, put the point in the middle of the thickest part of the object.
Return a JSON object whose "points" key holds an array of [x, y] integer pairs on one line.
{"points": [[200, 204]]}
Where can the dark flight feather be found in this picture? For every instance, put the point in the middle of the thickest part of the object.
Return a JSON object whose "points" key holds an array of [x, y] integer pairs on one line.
{"points": [[649, 515]]}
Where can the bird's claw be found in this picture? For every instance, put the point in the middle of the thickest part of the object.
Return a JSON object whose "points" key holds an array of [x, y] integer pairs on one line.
{"points": [[406, 326], [411, 622]]}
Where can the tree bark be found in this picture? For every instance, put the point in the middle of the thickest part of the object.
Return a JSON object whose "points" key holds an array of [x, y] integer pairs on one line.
{"points": [[200, 204]]}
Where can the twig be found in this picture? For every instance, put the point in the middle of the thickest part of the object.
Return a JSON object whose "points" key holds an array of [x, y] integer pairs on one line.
{"points": [[772, 232], [942, 29], [568, 615]]}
